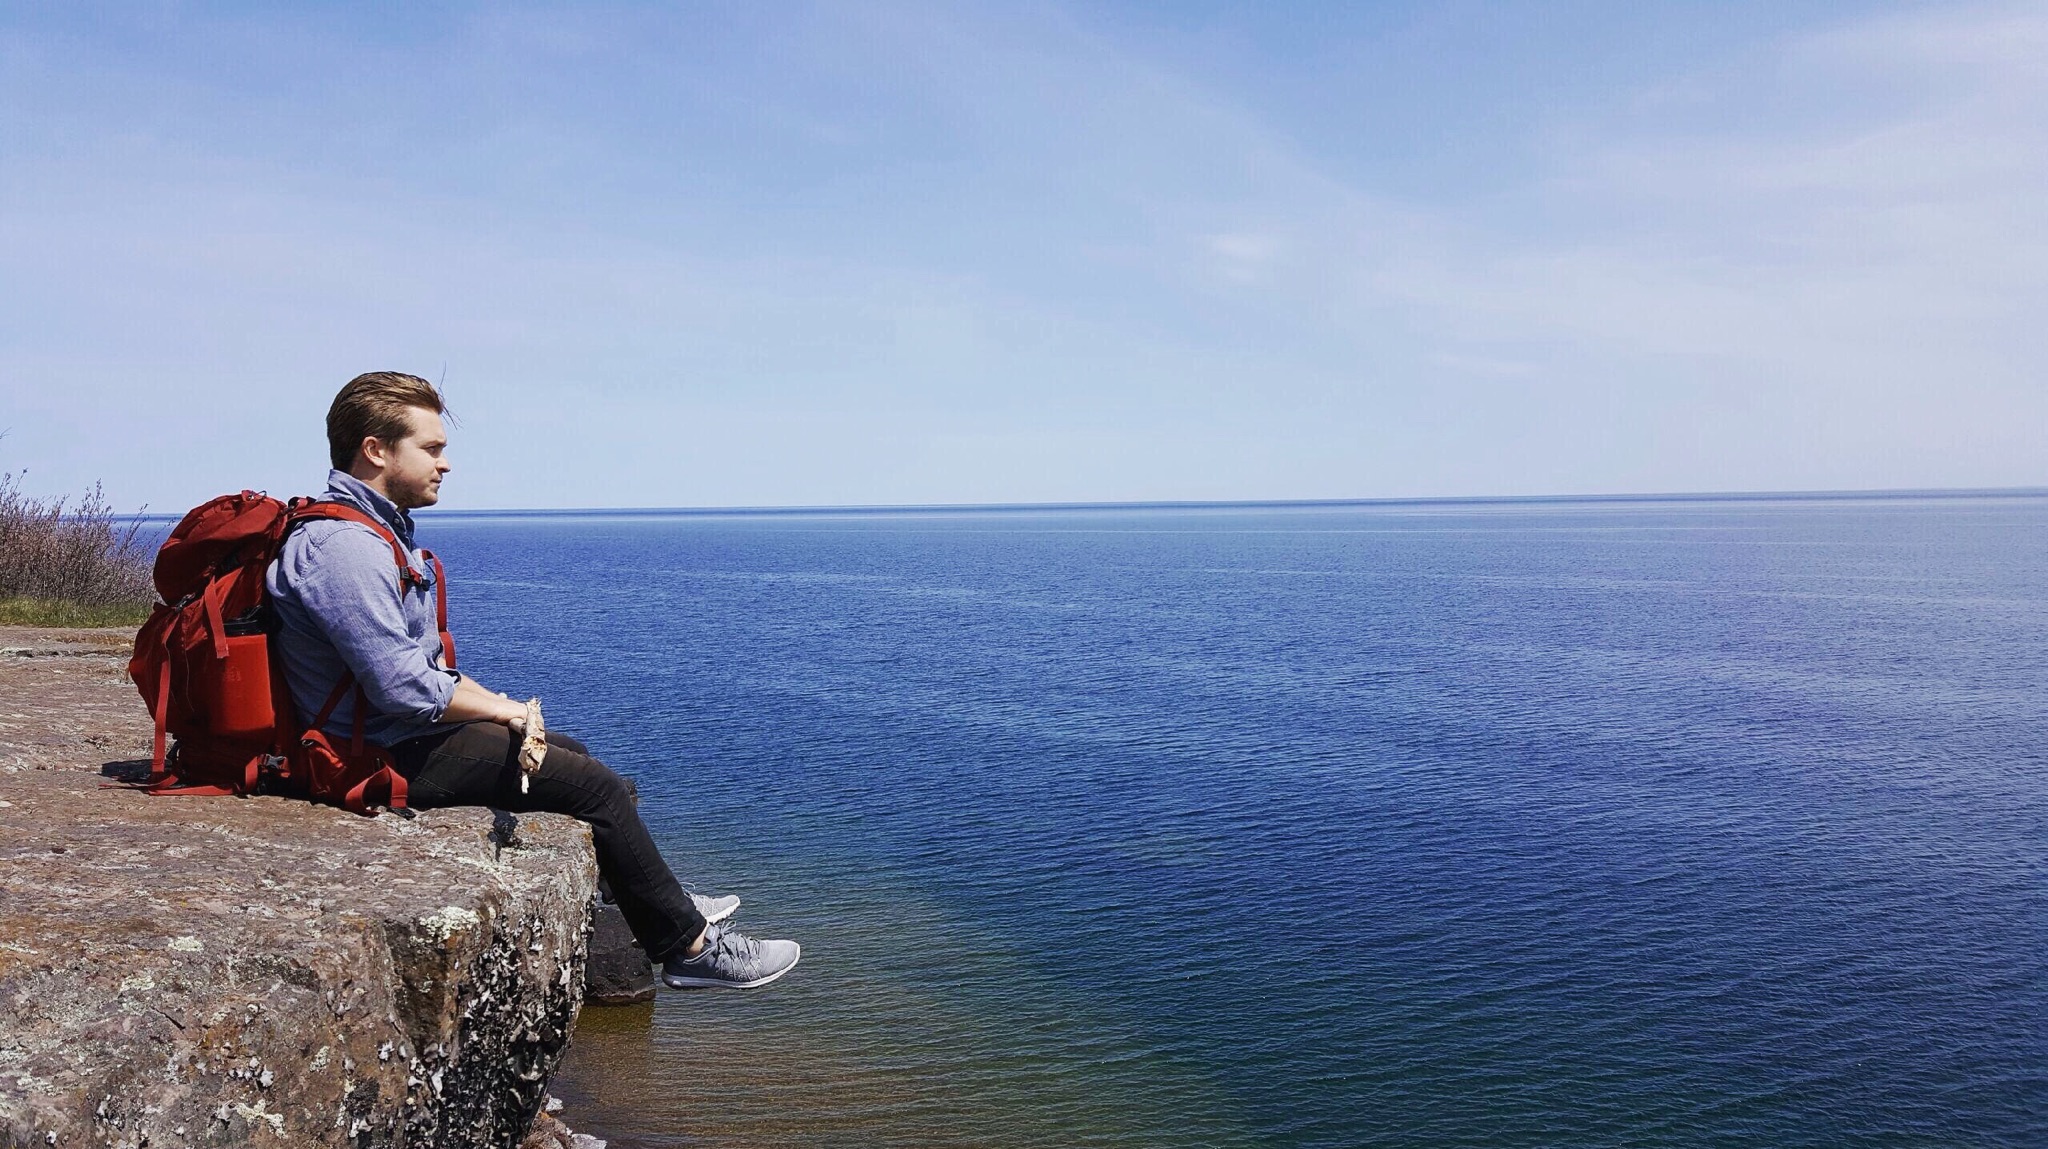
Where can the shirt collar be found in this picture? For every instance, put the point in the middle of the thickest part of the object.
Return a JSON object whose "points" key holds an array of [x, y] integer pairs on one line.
{"points": [[346, 487]]}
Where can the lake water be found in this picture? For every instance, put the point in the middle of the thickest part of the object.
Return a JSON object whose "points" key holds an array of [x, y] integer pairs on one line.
{"points": [[1519, 824]]}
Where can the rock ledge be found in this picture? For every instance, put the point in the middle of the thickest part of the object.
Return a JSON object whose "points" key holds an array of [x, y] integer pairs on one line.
{"points": [[221, 971]]}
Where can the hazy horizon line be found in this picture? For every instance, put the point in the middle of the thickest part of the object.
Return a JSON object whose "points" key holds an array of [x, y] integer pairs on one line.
{"points": [[1872, 495]]}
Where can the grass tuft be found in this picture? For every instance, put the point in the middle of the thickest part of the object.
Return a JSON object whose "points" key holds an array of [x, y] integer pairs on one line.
{"points": [[55, 612]]}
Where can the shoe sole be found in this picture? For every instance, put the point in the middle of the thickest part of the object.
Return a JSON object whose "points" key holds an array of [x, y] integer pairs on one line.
{"points": [[719, 983]]}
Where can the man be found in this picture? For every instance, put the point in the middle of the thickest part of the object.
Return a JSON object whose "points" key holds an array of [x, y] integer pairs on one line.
{"points": [[343, 608]]}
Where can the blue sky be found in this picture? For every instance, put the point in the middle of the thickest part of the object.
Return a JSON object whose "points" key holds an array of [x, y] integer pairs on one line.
{"points": [[715, 255]]}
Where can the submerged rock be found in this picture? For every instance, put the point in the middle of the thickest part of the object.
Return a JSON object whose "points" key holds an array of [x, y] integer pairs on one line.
{"points": [[223, 971], [617, 971]]}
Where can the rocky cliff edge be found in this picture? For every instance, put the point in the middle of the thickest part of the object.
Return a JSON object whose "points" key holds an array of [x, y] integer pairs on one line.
{"points": [[227, 971]]}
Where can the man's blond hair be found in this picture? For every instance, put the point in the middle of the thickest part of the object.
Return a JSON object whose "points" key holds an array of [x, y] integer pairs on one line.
{"points": [[373, 406]]}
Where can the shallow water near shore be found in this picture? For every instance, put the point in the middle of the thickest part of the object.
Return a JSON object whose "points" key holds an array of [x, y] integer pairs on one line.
{"points": [[1515, 824]]}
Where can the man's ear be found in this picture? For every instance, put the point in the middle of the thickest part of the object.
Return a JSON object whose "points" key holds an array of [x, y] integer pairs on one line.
{"points": [[372, 452]]}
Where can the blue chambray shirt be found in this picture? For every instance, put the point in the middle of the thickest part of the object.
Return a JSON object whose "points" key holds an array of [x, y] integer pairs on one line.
{"points": [[337, 595]]}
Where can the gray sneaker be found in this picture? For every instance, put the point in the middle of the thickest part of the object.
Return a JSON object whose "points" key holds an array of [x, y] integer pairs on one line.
{"points": [[715, 909], [731, 960]]}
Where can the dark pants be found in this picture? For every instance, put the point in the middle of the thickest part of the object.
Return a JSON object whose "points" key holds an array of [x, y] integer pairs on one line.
{"points": [[477, 764]]}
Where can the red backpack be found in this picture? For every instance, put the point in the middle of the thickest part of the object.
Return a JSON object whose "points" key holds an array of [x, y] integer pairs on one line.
{"points": [[203, 665]]}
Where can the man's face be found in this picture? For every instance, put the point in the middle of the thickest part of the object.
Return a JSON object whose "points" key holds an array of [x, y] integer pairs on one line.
{"points": [[413, 466]]}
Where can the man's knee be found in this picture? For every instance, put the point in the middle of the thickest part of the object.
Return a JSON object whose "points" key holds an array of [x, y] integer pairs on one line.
{"points": [[602, 785], [574, 746], [567, 742]]}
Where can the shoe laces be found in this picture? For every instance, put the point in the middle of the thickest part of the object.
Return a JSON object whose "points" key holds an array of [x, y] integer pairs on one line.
{"points": [[731, 944]]}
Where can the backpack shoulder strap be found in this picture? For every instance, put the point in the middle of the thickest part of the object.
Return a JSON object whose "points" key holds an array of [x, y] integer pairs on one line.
{"points": [[441, 608], [326, 509]]}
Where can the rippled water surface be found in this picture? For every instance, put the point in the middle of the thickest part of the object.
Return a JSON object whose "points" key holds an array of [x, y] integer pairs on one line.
{"points": [[1511, 824]]}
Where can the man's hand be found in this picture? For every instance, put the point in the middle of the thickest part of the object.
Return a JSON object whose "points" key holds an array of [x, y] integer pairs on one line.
{"points": [[473, 703]]}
